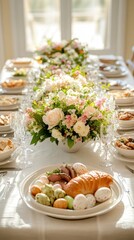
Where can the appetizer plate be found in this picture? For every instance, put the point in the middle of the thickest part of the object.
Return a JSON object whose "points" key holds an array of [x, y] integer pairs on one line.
{"points": [[67, 213]]}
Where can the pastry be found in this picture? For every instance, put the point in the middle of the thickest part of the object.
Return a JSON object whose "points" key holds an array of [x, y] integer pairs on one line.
{"points": [[87, 183]]}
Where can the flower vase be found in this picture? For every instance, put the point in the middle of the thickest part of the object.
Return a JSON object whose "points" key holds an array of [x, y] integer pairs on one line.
{"points": [[75, 148]]}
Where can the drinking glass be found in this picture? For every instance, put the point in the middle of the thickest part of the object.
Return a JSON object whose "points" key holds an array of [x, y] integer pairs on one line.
{"points": [[106, 138]]}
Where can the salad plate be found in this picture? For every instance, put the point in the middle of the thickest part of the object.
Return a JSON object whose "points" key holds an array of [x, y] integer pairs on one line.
{"points": [[67, 213]]}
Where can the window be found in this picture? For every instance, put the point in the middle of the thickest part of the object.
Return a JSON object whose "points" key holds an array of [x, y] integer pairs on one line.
{"points": [[96, 22]]}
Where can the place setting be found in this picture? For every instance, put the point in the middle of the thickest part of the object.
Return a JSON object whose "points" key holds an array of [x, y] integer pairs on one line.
{"points": [[123, 98], [125, 118], [8, 103], [122, 148], [113, 71]]}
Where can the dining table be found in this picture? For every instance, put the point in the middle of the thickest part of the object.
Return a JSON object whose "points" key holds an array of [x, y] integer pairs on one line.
{"points": [[21, 218]]}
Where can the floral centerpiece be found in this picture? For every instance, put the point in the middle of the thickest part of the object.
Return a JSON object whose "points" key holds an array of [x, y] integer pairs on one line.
{"points": [[67, 110], [65, 53]]}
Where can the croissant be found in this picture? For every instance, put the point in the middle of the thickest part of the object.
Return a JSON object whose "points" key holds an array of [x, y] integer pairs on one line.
{"points": [[87, 183]]}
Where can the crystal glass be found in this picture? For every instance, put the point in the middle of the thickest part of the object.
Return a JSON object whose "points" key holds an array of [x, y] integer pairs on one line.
{"points": [[106, 138]]}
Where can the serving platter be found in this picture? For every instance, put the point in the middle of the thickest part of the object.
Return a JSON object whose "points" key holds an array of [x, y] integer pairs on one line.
{"points": [[67, 213]]}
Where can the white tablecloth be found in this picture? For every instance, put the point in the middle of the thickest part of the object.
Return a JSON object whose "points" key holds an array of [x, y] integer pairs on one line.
{"points": [[18, 222]]}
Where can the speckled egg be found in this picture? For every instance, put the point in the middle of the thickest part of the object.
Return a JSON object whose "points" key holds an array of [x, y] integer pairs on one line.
{"points": [[103, 194], [44, 179], [80, 168], [91, 200], [80, 202], [39, 183]]}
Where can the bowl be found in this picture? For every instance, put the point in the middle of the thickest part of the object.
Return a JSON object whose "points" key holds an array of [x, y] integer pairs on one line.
{"points": [[4, 122], [126, 123], [123, 96], [6, 153], [7, 102], [129, 153]]}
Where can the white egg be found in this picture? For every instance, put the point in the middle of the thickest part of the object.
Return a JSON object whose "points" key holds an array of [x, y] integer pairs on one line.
{"points": [[103, 194], [39, 183], [80, 202], [80, 168], [91, 200], [44, 179], [57, 185]]}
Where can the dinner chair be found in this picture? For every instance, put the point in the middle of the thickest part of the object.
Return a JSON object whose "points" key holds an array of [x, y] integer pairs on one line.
{"points": [[130, 62]]}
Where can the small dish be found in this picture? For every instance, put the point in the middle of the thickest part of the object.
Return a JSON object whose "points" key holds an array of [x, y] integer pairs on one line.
{"points": [[8, 103], [124, 145], [123, 96], [6, 148], [126, 118], [5, 122]]}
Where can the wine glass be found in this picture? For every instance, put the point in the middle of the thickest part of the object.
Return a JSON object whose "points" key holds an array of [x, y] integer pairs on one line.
{"points": [[106, 138], [21, 139]]}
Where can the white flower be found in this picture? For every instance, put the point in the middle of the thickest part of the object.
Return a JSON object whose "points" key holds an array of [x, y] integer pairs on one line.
{"points": [[81, 79], [56, 134], [61, 95], [81, 129], [89, 110], [71, 100], [53, 117]]}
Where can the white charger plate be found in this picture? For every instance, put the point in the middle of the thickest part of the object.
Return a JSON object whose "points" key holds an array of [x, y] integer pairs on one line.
{"points": [[66, 213]]}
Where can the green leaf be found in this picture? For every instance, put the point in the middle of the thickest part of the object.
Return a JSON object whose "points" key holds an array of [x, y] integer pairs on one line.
{"points": [[70, 142]]}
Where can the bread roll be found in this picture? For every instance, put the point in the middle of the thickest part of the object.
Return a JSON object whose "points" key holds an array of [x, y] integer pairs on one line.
{"points": [[87, 183]]}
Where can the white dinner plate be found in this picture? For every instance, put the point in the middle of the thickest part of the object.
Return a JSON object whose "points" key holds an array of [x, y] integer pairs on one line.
{"points": [[13, 91], [125, 128], [120, 157], [113, 74], [9, 107], [125, 104], [7, 132], [67, 213]]}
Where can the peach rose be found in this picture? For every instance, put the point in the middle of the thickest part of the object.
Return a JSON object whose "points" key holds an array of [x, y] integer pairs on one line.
{"points": [[53, 117]]}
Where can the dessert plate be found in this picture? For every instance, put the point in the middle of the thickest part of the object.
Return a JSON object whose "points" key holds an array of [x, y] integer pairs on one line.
{"points": [[67, 213]]}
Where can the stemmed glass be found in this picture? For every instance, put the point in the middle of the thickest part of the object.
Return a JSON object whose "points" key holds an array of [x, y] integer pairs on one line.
{"points": [[21, 139], [106, 138]]}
